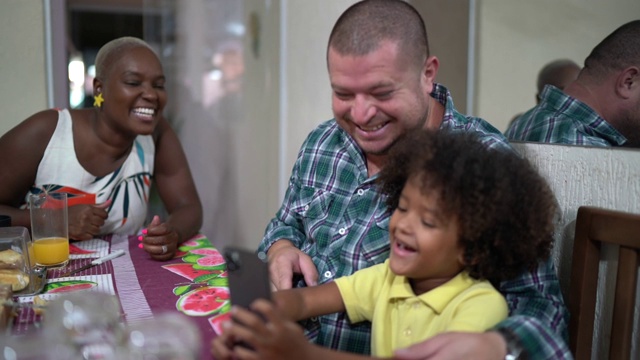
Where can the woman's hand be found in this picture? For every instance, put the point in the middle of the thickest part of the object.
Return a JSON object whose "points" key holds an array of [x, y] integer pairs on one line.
{"points": [[86, 220], [160, 240]]}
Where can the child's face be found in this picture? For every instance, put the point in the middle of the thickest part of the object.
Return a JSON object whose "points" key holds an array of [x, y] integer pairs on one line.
{"points": [[424, 242]]}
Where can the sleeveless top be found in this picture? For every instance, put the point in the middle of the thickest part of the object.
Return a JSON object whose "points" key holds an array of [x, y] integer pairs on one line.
{"points": [[128, 186]]}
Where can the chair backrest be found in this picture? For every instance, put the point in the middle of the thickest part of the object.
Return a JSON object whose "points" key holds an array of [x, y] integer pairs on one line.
{"points": [[594, 227]]}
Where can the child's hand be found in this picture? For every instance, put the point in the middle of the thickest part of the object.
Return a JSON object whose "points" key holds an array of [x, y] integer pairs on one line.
{"points": [[276, 338], [222, 345]]}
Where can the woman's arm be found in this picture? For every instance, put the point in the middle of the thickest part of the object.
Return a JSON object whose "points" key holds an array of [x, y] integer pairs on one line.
{"points": [[22, 149], [175, 184]]}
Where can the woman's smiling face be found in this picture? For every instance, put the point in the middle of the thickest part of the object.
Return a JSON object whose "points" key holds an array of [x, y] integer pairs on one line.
{"points": [[424, 240], [133, 91]]}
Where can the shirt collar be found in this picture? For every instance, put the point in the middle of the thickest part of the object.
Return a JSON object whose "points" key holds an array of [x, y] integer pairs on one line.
{"points": [[557, 99], [443, 96], [438, 298]]}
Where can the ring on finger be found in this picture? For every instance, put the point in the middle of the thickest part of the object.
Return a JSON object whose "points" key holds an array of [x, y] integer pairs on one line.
{"points": [[164, 249]]}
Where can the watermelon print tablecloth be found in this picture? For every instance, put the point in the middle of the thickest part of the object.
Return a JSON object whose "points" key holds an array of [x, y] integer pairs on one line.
{"points": [[194, 283]]}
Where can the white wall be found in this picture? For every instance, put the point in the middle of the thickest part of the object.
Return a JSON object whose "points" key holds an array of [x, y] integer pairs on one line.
{"points": [[22, 59], [516, 38], [602, 177], [306, 93]]}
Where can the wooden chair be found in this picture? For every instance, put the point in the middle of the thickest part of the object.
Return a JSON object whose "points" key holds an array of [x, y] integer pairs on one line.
{"points": [[595, 226]]}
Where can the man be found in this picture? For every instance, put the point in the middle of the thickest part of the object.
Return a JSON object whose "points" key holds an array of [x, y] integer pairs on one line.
{"points": [[558, 73], [333, 222], [601, 107]]}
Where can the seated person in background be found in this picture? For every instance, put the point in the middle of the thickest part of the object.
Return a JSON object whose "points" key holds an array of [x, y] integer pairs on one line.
{"points": [[332, 220], [105, 158], [558, 73], [463, 217], [601, 107]]}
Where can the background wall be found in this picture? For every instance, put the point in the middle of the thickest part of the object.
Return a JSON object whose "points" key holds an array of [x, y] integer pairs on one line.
{"points": [[22, 55], [516, 38], [451, 47], [306, 93], [612, 182]]}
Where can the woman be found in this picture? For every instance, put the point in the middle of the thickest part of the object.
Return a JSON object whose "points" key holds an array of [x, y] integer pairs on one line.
{"points": [[106, 157]]}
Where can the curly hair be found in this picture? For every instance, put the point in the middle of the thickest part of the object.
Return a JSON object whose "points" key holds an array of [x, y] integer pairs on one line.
{"points": [[505, 209]]}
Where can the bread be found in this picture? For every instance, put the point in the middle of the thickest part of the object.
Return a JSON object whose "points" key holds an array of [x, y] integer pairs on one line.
{"points": [[40, 305], [10, 259], [14, 277]]}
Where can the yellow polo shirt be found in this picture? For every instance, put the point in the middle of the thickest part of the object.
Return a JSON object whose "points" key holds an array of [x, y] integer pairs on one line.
{"points": [[400, 318]]}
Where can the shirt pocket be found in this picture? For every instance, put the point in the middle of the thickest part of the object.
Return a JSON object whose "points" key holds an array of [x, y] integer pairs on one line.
{"points": [[375, 246], [313, 210]]}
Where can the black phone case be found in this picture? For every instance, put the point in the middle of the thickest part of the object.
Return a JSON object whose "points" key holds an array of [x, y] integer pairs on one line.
{"points": [[248, 276]]}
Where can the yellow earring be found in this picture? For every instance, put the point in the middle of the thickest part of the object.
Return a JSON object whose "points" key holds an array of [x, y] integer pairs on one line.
{"points": [[98, 100]]}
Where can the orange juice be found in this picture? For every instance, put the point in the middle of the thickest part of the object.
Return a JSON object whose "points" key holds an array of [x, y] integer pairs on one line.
{"points": [[51, 251]]}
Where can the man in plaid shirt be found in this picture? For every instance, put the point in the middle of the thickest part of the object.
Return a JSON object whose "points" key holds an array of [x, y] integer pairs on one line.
{"points": [[333, 221], [601, 107]]}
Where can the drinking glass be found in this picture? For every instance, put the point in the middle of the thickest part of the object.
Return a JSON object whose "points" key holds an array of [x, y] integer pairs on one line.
{"points": [[168, 336], [84, 325], [49, 229]]}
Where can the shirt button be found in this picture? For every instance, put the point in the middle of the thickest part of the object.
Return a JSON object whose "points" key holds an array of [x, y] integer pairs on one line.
{"points": [[360, 192], [342, 231], [306, 207], [328, 274], [313, 319], [416, 305], [407, 332]]}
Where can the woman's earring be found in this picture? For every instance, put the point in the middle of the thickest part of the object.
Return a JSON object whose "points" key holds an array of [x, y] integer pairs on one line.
{"points": [[98, 100]]}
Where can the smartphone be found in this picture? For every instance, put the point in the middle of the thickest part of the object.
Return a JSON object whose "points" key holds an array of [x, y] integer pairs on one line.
{"points": [[248, 276]]}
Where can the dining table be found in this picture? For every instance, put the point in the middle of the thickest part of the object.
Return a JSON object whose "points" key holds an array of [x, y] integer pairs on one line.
{"points": [[192, 284]]}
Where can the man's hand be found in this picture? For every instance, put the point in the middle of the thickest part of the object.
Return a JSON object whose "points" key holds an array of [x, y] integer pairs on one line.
{"points": [[457, 345], [285, 260], [86, 220]]}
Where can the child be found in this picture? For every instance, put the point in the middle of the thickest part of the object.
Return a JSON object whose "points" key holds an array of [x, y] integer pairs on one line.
{"points": [[463, 217]]}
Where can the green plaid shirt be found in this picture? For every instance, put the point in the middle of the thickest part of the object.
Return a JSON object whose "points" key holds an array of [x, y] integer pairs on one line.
{"points": [[561, 119], [333, 212]]}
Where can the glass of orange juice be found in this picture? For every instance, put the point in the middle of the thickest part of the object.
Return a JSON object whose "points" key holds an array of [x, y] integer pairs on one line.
{"points": [[49, 228]]}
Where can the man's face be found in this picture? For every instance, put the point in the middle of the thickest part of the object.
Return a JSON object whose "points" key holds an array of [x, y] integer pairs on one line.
{"points": [[378, 97], [625, 114], [629, 125]]}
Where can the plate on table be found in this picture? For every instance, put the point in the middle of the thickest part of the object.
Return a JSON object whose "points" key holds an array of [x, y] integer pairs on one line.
{"points": [[36, 285]]}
